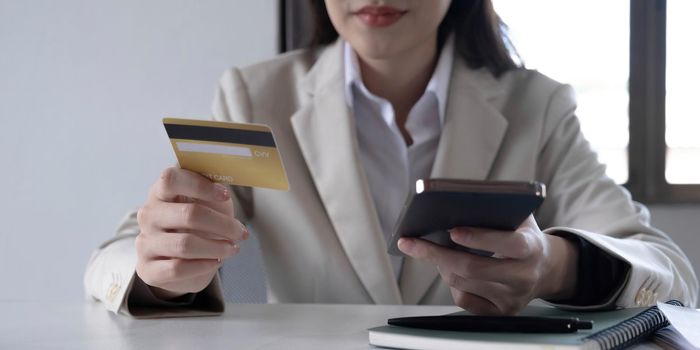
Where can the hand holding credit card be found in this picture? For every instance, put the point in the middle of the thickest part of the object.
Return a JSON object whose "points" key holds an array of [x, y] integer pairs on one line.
{"points": [[229, 153]]}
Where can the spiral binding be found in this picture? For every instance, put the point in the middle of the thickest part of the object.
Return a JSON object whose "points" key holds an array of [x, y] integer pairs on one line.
{"points": [[633, 330]]}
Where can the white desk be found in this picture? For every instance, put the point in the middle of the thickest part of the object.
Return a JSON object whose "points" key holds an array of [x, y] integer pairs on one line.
{"points": [[34, 325]]}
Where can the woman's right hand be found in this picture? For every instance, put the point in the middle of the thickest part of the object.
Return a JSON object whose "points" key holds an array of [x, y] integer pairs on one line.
{"points": [[188, 228]]}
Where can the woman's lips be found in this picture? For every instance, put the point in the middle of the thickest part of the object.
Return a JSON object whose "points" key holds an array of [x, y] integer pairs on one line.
{"points": [[379, 16]]}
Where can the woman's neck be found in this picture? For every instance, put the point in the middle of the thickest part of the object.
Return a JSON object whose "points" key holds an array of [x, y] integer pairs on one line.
{"points": [[402, 79]]}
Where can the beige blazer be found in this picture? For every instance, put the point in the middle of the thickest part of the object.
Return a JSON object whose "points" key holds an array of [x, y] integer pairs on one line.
{"points": [[321, 241]]}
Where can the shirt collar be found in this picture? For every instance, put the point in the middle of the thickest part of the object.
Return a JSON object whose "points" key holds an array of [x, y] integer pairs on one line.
{"points": [[438, 83]]}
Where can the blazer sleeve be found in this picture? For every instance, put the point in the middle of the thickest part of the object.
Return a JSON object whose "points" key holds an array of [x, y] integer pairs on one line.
{"points": [[110, 276], [583, 202]]}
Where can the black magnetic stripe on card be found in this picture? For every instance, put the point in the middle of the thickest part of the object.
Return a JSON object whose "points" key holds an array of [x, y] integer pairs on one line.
{"points": [[214, 134]]}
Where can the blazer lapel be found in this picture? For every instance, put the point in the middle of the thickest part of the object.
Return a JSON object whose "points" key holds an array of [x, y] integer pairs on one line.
{"points": [[469, 143], [325, 132]]}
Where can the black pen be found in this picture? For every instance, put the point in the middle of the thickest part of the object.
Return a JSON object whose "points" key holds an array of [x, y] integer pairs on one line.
{"points": [[513, 324]]}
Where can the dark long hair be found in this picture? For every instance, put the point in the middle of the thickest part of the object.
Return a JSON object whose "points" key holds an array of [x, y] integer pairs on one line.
{"points": [[481, 38]]}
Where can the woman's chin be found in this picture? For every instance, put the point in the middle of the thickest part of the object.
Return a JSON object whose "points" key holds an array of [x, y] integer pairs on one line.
{"points": [[376, 50]]}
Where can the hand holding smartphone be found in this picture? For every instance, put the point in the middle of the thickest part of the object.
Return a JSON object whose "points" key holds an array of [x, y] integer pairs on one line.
{"points": [[442, 204]]}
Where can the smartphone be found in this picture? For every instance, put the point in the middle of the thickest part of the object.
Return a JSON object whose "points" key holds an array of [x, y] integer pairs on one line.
{"points": [[442, 204]]}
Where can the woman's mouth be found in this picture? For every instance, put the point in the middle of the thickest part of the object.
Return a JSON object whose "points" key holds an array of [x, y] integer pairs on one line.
{"points": [[379, 16]]}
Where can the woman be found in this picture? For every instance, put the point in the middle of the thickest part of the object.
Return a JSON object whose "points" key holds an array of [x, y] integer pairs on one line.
{"points": [[411, 89]]}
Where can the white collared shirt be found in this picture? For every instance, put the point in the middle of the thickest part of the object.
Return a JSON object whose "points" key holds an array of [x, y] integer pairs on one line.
{"points": [[391, 166]]}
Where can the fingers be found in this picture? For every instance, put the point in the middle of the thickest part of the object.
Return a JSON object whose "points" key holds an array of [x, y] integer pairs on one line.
{"points": [[438, 255], [474, 303], [176, 183], [489, 285], [484, 285], [478, 287], [185, 246], [519, 244], [180, 262], [187, 227], [500, 297], [466, 265], [193, 218], [509, 244]]}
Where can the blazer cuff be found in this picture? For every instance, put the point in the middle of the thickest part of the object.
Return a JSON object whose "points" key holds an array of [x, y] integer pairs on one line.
{"points": [[142, 303], [608, 282], [142, 294], [600, 276], [109, 275]]}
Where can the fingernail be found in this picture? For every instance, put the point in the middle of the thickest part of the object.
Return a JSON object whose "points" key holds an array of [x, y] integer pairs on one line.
{"points": [[461, 231], [452, 232], [221, 191], [232, 248], [406, 245], [246, 234]]}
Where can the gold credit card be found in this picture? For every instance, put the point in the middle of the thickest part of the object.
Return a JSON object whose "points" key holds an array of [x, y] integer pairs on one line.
{"points": [[229, 153]]}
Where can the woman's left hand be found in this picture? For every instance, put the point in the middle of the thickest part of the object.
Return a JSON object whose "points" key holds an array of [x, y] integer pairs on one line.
{"points": [[527, 264]]}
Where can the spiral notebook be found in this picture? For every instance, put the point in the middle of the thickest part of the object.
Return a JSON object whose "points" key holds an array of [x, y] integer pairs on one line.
{"points": [[615, 329]]}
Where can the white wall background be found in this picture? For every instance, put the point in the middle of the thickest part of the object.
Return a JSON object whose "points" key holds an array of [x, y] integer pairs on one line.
{"points": [[83, 86]]}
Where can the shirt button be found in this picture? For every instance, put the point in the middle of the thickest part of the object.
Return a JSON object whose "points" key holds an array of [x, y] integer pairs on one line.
{"points": [[640, 299], [114, 287], [654, 298]]}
